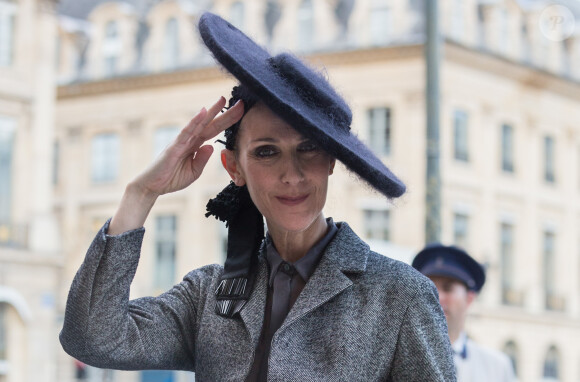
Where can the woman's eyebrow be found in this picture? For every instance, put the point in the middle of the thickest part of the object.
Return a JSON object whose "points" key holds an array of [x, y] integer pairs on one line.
{"points": [[264, 139]]}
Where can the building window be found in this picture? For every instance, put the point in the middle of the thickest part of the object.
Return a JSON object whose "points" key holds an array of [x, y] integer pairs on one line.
{"points": [[7, 34], [551, 365], [171, 46], [7, 137], [381, 22], [111, 48], [507, 266], [55, 162], [507, 149], [165, 251], [379, 120], [460, 135], [105, 158], [305, 25], [157, 376], [460, 229], [549, 160], [526, 42], [163, 137], [504, 29], [377, 224], [237, 14], [481, 26], [457, 20], [567, 57], [223, 242], [549, 268], [511, 350], [3, 333]]}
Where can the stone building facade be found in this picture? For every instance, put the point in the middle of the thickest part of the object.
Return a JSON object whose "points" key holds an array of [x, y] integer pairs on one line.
{"points": [[30, 257], [132, 73]]}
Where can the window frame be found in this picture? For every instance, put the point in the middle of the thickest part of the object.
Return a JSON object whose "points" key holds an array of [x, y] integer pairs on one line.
{"points": [[461, 135], [105, 157], [8, 19], [380, 131]]}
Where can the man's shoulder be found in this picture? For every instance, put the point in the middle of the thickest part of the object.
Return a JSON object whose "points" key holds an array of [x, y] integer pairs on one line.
{"points": [[488, 355]]}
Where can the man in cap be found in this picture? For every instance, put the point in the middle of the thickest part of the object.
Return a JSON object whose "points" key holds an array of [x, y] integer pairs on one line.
{"points": [[459, 278]]}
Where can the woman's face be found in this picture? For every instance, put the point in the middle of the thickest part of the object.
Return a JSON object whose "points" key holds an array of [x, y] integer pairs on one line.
{"points": [[286, 174]]}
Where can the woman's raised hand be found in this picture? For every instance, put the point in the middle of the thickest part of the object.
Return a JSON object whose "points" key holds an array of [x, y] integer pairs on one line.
{"points": [[180, 164]]}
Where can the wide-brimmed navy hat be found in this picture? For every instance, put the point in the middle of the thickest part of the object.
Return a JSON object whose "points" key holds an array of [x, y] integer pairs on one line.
{"points": [[450, 261], [300, 96]]}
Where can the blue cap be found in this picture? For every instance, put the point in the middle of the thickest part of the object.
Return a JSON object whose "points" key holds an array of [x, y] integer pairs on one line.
{"points": [[450, 261]]}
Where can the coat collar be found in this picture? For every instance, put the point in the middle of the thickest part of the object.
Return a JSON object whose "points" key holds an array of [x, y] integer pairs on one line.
{"points": [[346, 253]]}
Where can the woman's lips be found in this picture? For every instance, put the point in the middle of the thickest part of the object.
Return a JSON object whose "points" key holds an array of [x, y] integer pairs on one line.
{"points": [[291, 200]]}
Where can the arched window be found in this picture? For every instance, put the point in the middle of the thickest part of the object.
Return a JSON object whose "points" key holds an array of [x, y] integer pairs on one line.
{"points": [[551, 365], [305, 25], [511, 350], [237, 14], [381, 22], [111, 48], [171, 44], [163, 137]]}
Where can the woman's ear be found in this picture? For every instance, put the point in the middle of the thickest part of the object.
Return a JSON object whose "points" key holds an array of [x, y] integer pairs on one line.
{"points": [[332, 163], [231, 165]]}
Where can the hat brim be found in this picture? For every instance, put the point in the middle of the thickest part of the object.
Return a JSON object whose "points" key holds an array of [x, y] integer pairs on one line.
{"points": [[250, 64]]}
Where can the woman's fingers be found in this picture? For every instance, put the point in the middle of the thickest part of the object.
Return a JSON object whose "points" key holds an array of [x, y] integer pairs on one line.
{"points": [[227, 119], [200, 160], [205, 125], [186, 132]]}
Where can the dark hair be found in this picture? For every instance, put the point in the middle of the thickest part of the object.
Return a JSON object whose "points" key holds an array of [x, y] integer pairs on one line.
{"points": [[239, 92]]}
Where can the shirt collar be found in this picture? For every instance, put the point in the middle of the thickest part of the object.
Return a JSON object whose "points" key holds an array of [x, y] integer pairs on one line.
{"points": [[460, 345], [304, 266]]}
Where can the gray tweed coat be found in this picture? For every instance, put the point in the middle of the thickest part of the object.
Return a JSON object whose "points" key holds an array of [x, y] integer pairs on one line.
{"points": [[361, 317]]}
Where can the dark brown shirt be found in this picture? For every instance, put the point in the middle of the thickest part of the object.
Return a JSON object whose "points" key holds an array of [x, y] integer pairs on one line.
{"points": [[285, 283]]}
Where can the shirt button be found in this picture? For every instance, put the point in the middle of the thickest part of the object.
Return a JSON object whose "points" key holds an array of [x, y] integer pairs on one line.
{"points": [[287, 269]]}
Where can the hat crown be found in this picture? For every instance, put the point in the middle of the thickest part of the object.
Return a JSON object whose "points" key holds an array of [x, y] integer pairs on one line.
{"points": [[312, 88]]}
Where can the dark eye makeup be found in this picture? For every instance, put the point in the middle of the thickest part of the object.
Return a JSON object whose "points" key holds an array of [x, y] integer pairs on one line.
{"points": [[265, 151]]}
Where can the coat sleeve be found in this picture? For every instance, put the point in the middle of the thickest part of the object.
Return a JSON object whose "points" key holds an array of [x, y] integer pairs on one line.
{"points": [[103, 328], [423, 351]]}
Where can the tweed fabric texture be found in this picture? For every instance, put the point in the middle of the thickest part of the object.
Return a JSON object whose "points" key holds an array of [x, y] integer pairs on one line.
{"points": [[361, 317]]}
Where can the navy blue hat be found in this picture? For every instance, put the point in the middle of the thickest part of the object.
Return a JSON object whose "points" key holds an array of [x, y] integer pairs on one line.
{"points": [[450, 261], [300, 96]]}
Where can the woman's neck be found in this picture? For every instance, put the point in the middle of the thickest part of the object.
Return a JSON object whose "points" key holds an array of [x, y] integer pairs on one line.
{"points": [[292, 246]]}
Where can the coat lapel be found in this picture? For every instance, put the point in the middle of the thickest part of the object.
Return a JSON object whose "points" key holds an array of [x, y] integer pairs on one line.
{"points": [[345, 253], [253, 313]]}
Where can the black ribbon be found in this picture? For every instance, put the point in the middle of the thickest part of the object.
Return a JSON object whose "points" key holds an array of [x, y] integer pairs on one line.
{"points": [[245, 235]]}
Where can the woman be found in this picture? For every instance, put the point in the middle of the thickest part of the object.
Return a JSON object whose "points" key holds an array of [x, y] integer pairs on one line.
{"points": [[310, 302]]}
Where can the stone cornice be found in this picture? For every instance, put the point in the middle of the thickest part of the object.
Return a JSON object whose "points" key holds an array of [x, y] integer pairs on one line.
{"points": [[453, 52], [525, 74], [151, 80], [138, 82]]}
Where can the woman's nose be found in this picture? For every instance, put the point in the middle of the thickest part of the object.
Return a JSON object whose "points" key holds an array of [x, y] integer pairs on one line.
{"points": [[292, 172]]}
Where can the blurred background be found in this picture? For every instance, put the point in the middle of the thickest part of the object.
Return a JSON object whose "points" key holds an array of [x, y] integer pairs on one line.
{"points": [[475, 104]]}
